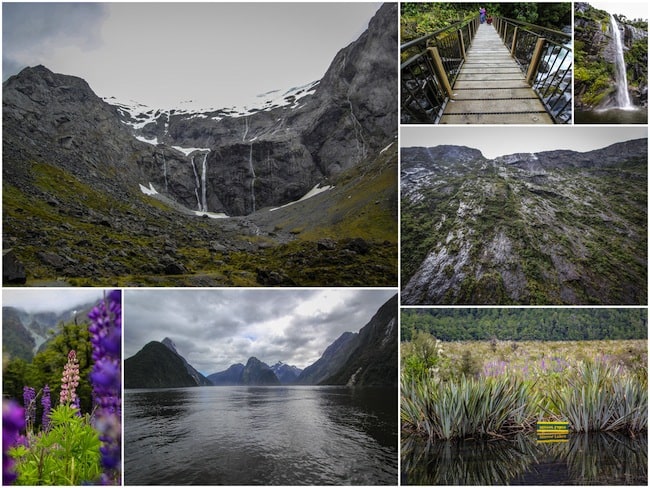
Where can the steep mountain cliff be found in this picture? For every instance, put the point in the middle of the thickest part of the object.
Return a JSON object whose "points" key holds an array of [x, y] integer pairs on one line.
{"points": [[595, 84], [374, 359], [257, 373], [198, 377], [557, 227], [17, 342], [158, 366], [94, 191], [286, 374], [331, 361]]}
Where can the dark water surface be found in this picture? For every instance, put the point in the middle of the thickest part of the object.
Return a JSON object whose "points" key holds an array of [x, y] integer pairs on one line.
{"points": [[612, 116], [261, 435], [584, 459]]}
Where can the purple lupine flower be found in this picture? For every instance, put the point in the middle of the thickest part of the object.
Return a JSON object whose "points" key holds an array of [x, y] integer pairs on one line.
{"points": [[13, 420], [29, 397], [70, 381], [46, 402], [106, 338]]}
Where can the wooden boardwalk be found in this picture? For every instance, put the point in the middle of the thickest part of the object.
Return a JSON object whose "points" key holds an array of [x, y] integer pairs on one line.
{"points": [[491, 88]]}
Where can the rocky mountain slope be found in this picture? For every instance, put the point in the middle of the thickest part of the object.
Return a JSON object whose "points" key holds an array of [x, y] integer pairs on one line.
{"points": [[595, 86], [158, 366], [286, 373], [229, 377], [255, 373], [373, 362], [97, 193], [331, 361], [25, 333], [557, 227], [198, 377]]}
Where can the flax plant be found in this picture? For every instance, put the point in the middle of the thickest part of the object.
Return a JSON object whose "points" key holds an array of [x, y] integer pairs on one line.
{"points": [[467, 407], [601, 397]]}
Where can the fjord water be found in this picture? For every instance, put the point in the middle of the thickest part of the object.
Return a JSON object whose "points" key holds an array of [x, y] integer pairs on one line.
{"points": [[582, 459], [306, 435]]}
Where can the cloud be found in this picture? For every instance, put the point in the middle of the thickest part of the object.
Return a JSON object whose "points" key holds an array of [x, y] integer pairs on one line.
{"points": [[31, 31], [49, 299], [213, 329]]}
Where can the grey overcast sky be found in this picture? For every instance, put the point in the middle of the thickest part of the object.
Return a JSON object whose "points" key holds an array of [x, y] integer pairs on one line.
{"points": [[160, 54], [214, 329], [50, 299], [632, 10], [498, 141]]}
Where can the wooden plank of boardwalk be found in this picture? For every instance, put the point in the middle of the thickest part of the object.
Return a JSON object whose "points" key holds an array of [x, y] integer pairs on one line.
{"points": [[491, 88]]}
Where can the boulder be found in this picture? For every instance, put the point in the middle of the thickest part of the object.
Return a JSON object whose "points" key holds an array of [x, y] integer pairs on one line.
{"points": [[13, 271]]}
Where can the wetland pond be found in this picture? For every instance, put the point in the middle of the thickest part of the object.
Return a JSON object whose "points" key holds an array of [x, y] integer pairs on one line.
{"points": [[294, 435], [583, 459]]}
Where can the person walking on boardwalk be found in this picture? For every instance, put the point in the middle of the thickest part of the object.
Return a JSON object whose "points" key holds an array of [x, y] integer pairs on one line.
{"points": [[482, 13]]}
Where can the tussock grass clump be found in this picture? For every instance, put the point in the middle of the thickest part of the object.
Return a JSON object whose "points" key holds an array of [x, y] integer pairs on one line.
{"points": [[467, 407]]}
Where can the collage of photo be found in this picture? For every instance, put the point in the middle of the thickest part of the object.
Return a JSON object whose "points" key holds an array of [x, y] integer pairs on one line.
{"points": [[325, 243]]}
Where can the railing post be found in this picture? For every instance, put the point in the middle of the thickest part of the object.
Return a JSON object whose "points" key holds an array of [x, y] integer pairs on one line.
{"points": [[440, 70], [534, 61], [462, 44], [513, 46]]}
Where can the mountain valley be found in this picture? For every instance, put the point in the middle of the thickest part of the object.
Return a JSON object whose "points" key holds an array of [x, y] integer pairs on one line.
{"points": [[364, 358], [96, 193]]}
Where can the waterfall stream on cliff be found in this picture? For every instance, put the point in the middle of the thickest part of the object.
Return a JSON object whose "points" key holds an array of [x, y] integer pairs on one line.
{"points": [[196, 186], [250, 163], [622, 95], [204, 169]]}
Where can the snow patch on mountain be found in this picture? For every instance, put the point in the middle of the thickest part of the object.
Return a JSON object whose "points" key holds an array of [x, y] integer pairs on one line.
{"points": [[311, 193], [139, 115]]}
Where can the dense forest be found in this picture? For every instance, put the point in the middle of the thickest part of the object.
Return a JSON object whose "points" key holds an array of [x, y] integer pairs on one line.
{"points": [[419, 19], [525, 324]]}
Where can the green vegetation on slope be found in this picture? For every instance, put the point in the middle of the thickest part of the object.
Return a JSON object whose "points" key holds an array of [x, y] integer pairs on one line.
{"points": [[419, 19], [594, 76], [567, 236], [63, 229]]}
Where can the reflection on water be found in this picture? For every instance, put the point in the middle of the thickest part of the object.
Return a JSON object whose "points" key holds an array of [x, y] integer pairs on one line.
{"points": [[585, 459], [261, 436], [612, 116]]}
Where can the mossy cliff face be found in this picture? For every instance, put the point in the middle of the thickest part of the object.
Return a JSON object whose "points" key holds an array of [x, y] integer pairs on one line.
{"points": [[595, 53], [558, 227]]}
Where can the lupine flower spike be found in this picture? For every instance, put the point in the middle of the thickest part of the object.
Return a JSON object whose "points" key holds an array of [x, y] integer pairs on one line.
{"points": [[70, 380], [106, 337], [13, 421], [46, 402]]}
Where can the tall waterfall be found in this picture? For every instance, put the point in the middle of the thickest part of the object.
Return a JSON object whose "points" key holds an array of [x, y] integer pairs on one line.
{"points": [[196, 186], [622, 95], [250, 163], [204, 201]]}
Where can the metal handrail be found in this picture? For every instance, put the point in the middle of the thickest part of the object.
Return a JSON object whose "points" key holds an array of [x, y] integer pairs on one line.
{"points": [[429, 72], [546, 57]]}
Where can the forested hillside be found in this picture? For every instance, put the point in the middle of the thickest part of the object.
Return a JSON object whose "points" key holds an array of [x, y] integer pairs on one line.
{"points": [[421, 18], [525, 324]]}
